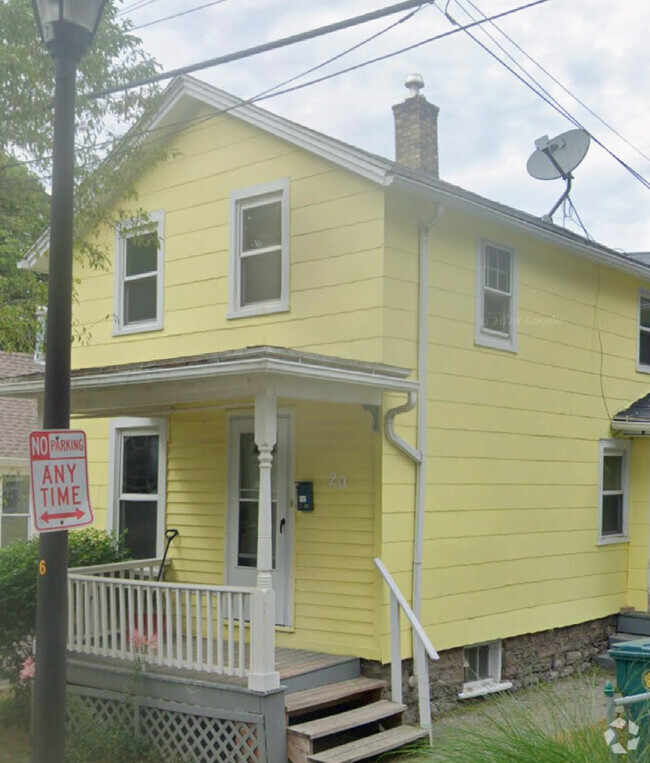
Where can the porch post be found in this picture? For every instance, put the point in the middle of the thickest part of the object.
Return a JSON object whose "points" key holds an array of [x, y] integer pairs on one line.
{"points": [[263, 676]]}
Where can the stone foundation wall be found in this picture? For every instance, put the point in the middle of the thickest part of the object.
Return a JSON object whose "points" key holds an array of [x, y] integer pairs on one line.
{"points": [[526, 660]]}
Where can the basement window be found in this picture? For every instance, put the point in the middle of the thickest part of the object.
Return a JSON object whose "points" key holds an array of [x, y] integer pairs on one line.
{"points": [[259, 250], [139, 265], [482, 670]]}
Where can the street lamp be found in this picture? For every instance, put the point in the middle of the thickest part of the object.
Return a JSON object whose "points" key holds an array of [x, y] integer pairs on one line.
{"points": [[67, 28]]}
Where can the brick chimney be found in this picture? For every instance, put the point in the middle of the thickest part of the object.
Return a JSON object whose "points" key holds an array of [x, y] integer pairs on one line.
{"points": [[416, 129]]}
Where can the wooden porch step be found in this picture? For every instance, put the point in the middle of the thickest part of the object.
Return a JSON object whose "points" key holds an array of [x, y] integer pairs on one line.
{"points": [[305, 739], [385, 741], [313, 700]]}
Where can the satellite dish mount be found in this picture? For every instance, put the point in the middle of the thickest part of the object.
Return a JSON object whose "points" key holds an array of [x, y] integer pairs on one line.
{"points": [[557, 158]]}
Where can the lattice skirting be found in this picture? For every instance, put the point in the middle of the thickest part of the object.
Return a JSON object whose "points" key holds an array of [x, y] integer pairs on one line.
{"points": [[188, 733]]}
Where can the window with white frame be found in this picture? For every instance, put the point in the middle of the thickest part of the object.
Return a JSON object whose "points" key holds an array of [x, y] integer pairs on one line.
{"points": [[496, 317], [614, 468], [14, 520], [139, 267], [259, 250], [482, 670], [137, 484], [643, 359]]}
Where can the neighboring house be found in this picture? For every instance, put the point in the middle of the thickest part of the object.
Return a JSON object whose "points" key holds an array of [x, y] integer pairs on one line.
{"points": [[440, 375], [17, 419]]}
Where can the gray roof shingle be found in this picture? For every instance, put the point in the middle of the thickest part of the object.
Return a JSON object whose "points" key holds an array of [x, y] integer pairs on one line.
{"points": [[17, 417]]}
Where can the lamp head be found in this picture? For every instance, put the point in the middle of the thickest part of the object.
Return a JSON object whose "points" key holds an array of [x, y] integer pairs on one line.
{"points": [[68, 27]]}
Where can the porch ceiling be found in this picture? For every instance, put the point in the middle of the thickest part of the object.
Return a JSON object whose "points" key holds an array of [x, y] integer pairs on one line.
{"points": [[159, 384]]}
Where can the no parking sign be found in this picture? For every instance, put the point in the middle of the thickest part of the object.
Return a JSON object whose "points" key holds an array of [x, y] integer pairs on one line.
{"points": [[59, 480]]}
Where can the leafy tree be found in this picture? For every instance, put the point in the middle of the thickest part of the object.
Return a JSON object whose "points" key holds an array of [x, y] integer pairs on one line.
{"points": [[26, 97]]}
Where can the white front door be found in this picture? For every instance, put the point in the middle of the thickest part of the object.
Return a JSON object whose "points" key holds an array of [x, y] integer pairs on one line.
{"points": [[243, 491]]}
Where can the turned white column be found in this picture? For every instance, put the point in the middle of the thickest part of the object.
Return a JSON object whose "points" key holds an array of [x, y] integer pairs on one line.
{"points": [[263, 676]]}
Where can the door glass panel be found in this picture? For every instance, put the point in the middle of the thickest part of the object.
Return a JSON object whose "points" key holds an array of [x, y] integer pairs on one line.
{"points": [[249, 478]]}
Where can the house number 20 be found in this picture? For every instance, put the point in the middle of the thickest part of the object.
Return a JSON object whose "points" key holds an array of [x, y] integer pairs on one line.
{"points": [[338, 480]]}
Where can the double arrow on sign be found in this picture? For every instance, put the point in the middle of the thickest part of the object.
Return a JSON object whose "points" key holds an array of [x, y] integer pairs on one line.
{"points": [[47, 517]]}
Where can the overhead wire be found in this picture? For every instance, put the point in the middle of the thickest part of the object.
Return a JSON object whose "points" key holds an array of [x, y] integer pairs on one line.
{"points": [[549, 100], [178, 15], [196, 120], [558, 83], [138, 5]]}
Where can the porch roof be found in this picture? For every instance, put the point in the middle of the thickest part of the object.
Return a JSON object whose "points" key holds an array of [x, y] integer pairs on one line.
{"points": [[157, 384], [635, 419]]}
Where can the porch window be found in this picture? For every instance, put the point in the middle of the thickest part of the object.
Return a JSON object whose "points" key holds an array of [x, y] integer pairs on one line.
{"points": [[613, 481], [482, 670], [496, 324], [14, 521], [259, 250], [138, 482], [643, 359], [139, 276]]}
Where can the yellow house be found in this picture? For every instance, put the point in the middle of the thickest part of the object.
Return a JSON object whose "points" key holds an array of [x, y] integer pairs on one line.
{"points": [[324, 358]]}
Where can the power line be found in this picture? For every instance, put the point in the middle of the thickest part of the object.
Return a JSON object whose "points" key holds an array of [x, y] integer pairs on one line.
{"points": [[135, 134], [551, 102], [559, 84], [136, 6], [265, 47], [177, 15]]}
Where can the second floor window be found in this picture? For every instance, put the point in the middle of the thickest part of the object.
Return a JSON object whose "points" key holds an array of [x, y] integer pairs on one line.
{"points": [[259, 250], [496, 318], [644, 331], [139, 276]]}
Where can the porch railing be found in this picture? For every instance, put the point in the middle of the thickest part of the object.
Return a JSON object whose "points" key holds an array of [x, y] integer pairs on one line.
{"points": [[422, 648], [121, 610]]}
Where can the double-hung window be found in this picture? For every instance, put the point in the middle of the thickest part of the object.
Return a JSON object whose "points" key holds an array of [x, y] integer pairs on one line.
{"points": [[643, 357], [613, 479], [139, 266], [14, 520], [137, 484], [259, 250], [496, 316]]}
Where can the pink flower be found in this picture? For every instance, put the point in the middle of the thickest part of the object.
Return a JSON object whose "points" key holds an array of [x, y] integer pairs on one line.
{"points": [[28, 671], [141, 641]]}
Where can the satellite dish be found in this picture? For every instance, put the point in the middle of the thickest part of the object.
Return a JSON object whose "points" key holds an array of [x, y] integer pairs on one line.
{"points": [[558, 157]]}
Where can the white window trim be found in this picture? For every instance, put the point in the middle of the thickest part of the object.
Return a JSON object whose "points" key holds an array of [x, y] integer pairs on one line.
{"points": [[278, 188], [483, 336], [133, 426], [156, 219], [614, 448], [643, 368], [16, 472], [486, 685]]}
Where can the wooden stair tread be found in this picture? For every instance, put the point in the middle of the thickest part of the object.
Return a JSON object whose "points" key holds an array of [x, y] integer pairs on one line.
{"points": [[312, 699], [335, 724], [384, 741]]}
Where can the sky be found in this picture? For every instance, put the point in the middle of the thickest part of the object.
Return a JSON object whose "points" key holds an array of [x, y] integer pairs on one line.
{"points": [[489, 120]]}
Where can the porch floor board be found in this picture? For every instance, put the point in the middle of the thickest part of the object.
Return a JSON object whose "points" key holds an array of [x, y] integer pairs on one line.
{"points": [[290, 663]]}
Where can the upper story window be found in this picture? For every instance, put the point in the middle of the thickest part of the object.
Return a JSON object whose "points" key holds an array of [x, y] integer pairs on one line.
{"points": [[613, 481], [496, 303], [139, 261], [643, 356], [259, 250]]}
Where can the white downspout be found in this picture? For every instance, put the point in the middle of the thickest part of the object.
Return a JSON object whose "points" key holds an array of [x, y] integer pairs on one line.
{"points": [[418, 454]]}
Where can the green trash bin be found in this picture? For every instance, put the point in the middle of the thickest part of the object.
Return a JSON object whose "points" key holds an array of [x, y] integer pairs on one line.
{"points": [[632, 660]]}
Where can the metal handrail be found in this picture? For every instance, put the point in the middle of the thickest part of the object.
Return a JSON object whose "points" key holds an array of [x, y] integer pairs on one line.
{"points": [[422, 648]]}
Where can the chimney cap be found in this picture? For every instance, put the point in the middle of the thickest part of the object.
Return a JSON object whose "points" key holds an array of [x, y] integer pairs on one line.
{"points": [[415, 83]]}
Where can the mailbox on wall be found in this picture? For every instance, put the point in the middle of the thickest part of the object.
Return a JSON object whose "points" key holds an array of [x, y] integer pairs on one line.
{"points": [[305, 496]]}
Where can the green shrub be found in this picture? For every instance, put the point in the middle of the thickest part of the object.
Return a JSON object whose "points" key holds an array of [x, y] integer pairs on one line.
{"points": [[18, 575]]}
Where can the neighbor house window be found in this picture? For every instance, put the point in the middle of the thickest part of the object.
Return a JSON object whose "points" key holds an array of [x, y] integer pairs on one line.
{"points": [[496, 323], [139, 275], [137, 484], [14, 520], [644, 331], [614, 467], [259, 250], [482, 670]]}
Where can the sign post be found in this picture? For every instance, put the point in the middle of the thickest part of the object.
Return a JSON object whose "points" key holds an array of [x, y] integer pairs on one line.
{"points": [[59, 480]]}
